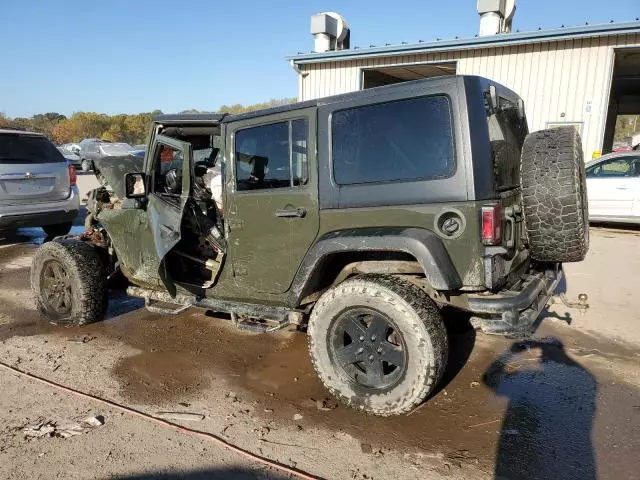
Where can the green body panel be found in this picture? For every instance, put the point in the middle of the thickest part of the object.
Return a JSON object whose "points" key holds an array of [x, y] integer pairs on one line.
{"points": [[138, 260], [466, 251], [265, 250]]}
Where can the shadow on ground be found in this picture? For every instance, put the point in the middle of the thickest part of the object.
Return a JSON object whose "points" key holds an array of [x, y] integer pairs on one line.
{"points": [[546, 430]]}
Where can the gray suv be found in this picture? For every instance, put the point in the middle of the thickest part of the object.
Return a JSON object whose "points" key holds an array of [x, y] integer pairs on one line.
{"points": [[37, 185]]}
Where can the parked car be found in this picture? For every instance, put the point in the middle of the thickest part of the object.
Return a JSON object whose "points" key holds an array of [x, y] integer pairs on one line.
{"points": [[93, 149], [138, 150], [613, 187], [37, 185], [361, 218], [72, 158], [71, 147], [622, 148]]}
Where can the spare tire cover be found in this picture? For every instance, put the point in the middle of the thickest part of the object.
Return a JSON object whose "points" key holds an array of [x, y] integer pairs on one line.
{"points": [[554, 195]]}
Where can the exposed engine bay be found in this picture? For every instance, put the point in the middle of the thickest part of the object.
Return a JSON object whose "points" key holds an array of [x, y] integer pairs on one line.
{"points": [[196, 260]]}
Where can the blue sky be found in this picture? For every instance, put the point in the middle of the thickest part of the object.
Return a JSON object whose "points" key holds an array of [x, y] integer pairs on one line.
{"points": [[129, 56]]}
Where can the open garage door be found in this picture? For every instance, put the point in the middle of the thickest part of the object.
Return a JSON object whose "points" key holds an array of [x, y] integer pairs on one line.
{"points": [[624, 101], [378, 76]]}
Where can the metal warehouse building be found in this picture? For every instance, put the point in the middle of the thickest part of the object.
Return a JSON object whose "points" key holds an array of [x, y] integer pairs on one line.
{"points": [[583, 76]]}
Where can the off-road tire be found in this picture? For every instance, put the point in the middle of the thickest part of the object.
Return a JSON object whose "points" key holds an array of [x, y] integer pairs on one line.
{"points": [[58, 229], [85, 165], [417, 319], [87, 279], [554, 195]]}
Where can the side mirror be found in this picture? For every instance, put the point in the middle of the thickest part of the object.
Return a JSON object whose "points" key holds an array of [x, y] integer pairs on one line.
{"points": [[134, 185]]}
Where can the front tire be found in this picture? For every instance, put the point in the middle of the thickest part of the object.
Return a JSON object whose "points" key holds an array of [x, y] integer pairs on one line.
{"points": [[378, 343], [69, 282]]}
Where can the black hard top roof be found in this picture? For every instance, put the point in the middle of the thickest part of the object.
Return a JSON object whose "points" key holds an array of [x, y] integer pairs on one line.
{"points": [[190, 117], [345, 97]]}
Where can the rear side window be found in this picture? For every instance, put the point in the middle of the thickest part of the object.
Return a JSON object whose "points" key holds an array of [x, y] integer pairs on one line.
{"points": [[403, 140], [27, 149], [507, 132]]}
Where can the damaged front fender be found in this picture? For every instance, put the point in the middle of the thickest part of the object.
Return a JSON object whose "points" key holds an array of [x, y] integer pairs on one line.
{"points": [[110, 171]]}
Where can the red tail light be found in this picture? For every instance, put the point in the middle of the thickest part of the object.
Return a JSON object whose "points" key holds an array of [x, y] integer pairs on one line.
{"points": [[492, 225], [72, 175]]}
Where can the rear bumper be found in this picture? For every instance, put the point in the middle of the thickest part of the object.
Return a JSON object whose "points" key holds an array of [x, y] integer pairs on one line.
{"points": [[39, 214], [517, 309]]}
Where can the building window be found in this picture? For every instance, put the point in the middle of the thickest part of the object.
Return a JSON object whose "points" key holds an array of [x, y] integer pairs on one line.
{"points": [[403, 140], [272, 156]]}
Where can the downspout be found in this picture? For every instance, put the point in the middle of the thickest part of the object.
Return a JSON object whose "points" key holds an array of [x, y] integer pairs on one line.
{"points": [[301, 76]]}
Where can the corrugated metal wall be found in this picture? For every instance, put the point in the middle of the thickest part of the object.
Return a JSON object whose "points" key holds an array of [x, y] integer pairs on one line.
{"points": [[570, 77]]}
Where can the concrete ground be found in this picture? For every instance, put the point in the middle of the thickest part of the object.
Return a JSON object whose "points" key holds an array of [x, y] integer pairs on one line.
{"points": [[563, 404]]}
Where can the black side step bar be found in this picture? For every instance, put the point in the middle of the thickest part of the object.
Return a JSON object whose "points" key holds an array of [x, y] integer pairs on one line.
{"points": [[248, 316]]}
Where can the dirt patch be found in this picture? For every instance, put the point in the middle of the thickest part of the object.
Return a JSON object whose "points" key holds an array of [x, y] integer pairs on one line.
{"points": [[505, 405], [481, 397]]}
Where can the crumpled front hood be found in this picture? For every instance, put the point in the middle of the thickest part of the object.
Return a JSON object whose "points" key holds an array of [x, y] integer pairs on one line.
{"points": [[112, 170]]}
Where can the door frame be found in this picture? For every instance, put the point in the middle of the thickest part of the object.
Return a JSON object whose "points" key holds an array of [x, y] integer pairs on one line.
{"points": [[165, 222], [231, 192]]}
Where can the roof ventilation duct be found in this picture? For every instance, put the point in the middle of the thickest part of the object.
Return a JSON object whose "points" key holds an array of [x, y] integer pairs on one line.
{"points": [[330, 31], [496, 16]]}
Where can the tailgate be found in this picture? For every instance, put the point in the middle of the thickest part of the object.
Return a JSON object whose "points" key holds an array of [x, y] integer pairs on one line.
{"points": [[34, 183], [31, 170]]}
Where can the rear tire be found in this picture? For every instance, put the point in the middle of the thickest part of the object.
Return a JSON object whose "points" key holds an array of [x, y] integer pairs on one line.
{"points": [[69, 282], [57, 229], [554, 195], [412, 351]]}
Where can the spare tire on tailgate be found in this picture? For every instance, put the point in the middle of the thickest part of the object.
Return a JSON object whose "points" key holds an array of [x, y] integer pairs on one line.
{"points": [[554, 195]]}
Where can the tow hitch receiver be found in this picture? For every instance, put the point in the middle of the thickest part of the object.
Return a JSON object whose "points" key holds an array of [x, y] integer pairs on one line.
{"points": [[581, 304], [517, 310]]}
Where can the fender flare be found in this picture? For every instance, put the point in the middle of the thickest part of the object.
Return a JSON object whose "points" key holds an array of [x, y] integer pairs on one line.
{"points": [[423, 244]]}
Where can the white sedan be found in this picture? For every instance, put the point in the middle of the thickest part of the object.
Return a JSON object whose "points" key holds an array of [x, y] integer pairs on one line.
{"points": [[613, 188]]}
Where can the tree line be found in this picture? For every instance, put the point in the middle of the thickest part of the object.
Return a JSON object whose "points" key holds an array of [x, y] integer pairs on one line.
{"points": [[129, 128]]}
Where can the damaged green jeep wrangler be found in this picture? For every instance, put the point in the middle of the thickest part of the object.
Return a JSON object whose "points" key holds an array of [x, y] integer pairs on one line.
{"points": [[361, 218]]}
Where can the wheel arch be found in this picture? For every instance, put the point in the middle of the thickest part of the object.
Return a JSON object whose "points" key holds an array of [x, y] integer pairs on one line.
{"points": [[338, 254]]}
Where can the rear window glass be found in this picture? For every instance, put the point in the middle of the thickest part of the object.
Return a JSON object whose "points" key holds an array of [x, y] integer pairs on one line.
{"points": [[507, 132], [27, 149], [395, 141]]}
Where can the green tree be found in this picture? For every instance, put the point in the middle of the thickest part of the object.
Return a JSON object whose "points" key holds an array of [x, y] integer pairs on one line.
{"points": [[238, 108], [132, 129], [626, 126], [5, 122]]}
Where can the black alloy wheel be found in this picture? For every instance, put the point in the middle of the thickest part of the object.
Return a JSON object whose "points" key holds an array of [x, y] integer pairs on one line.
{"points": [[365, 344]]}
